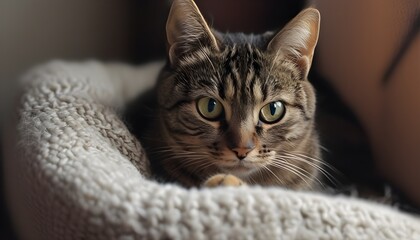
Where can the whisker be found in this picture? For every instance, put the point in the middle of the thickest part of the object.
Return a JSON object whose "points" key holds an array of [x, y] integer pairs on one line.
{"points": [[204, 164], [299, 157], [323, 148], [196, 162], [303, 171], [305, 161], [314, 159], [336, 171], [268, 169], [191, 162], [260, 172], [291, 169], [252, 180]]}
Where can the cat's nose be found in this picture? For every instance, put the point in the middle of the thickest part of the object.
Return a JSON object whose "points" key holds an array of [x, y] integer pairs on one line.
{"points": [[242, 152]]}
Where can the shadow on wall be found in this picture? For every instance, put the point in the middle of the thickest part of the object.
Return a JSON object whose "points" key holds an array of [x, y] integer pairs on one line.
{"points": [[33, 32]]}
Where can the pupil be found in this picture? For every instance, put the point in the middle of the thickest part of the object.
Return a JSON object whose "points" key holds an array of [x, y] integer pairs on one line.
{"points": [[272, 108], [211, 105]]}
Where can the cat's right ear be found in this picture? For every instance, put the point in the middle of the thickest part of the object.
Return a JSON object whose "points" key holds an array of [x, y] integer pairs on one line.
{"points": [[187, 31]]}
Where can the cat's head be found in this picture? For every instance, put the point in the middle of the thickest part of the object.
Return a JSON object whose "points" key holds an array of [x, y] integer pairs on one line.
{"points": [[239, 103]]}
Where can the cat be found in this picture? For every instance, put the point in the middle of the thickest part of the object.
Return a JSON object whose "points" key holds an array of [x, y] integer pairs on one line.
{"points": [[233, 109]]}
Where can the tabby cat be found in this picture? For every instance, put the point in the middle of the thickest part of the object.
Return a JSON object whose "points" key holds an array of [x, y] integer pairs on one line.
{"points": [[235, 109]]}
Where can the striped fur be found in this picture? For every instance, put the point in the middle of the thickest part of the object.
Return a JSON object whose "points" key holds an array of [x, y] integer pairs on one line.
{"points": [[244, 73]]}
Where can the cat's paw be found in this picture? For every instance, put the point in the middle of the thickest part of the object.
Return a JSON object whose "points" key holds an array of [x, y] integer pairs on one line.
{"points": [[223, 180]]}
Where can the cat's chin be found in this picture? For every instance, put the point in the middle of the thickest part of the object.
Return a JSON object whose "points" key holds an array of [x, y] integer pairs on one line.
{"points": [[239, 170]]}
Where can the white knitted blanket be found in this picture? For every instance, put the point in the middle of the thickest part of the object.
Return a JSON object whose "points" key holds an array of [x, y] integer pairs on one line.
{"points": [[74, 171]]}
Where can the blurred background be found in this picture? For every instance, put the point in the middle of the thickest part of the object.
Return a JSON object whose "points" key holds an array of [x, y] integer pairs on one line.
{"points": [[357, 45]]}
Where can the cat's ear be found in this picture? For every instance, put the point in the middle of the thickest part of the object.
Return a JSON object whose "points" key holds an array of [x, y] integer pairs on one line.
{"points": [[186, 30], [297, 40]]}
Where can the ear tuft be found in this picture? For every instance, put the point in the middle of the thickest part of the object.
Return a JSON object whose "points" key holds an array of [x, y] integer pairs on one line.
{"points": [[187, 30], [298, 39]]}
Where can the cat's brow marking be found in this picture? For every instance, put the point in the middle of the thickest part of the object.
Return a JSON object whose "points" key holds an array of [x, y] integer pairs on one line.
{"points": [[229, 88]]}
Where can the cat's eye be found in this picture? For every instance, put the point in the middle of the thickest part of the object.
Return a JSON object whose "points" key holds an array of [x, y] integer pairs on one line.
{"points": [[209, 108], [272, 112]]}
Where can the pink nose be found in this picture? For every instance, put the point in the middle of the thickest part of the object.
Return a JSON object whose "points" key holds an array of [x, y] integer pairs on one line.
{"points": [[242, 152]]}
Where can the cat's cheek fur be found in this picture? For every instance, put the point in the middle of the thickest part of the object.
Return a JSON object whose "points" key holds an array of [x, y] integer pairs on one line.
{"points": [[310, 98]]}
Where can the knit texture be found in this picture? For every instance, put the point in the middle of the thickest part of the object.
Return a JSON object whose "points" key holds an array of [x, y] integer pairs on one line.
{"points": [[74, 171]]}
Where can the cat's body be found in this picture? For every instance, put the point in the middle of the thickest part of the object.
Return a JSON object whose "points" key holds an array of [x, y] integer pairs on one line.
{"points": [[235, 104]]}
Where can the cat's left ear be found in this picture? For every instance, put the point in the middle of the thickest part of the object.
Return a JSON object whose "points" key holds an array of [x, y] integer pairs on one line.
{"points": [[297, 40], [187, 31]]}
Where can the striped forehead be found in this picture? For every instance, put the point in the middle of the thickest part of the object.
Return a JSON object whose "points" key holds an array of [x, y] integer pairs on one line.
{"points": [[238, 75], [241, 78]]}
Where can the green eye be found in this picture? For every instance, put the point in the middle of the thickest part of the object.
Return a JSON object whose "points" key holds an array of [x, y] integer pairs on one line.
{"points": [[209, 108], [272, 112]]}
